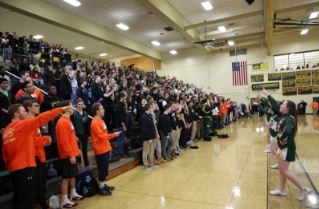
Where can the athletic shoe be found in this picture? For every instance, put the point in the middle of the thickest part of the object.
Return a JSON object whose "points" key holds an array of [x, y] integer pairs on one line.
{"points": [[105, 192], [147, 168], [274, 166], [68, 204], [194, 147], [267, 150], [162, 161], [303, 194], [109, 187], [278, 192]]}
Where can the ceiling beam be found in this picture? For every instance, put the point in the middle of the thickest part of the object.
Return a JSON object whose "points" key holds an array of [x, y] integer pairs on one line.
{"points": [[167, 13], [299, 7], [54, 15], [226, 19]]}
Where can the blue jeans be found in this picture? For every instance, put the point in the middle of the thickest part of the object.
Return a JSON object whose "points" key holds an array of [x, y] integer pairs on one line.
{"points": [[7, 54], [74, 95], [215, 121]]}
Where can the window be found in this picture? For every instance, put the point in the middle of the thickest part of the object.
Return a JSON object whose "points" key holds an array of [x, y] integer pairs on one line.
{"points": [[296, 61]]}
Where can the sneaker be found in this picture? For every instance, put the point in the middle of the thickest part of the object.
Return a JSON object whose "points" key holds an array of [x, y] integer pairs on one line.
{"points": [[194, 147], [274, 166], [278, 192], [162, 161], [267, 150], [303, 194], [109, 187], [105, 192], [147, 168]]}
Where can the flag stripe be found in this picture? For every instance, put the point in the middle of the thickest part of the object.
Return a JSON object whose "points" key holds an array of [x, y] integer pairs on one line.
{"points": [[239, 73]]}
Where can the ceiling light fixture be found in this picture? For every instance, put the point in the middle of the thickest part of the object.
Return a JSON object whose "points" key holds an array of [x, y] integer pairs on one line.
{"points": [[313, 15], [173, 52], [231, 43], [79, 48], [103, 54], [74, 3], [222, 28], [304, 31], [207, 5], [156, 43], [38, 37], [122, 26]]}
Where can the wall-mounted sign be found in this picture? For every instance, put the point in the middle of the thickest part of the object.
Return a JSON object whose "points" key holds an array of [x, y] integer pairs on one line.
{"points": [[257, 78], [315, 89], [305, 90], [286, 91], [274, 76], [260, 66], [288, 76], [305, 74], [260, 86], [288, 83]]}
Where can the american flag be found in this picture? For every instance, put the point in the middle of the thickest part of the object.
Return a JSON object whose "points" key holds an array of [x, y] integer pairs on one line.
{"points": [[240, 77]]}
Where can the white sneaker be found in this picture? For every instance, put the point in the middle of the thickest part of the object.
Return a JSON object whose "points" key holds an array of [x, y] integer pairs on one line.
{"points": [[274, 166], [147, 168], [267, 151], [278, 192], [303, 194]]}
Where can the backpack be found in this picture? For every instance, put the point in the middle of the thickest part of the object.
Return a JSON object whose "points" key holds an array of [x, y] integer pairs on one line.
{"points": [[86, 184], [222, 136]]}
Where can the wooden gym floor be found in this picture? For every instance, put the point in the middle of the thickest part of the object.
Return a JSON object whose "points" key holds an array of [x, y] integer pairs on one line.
{"points": [[223, 174]]}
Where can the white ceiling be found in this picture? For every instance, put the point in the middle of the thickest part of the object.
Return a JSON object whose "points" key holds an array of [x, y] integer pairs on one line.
{"points": [[144, 26], [24, 25]]}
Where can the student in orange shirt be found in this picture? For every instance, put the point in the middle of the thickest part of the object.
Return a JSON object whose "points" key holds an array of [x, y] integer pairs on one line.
{"points": [[314, 106], [101, 146], [28, 90], [19, 153], [68, 150], [33, 109]]}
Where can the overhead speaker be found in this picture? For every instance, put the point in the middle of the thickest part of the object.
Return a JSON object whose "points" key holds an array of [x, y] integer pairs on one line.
{"points": [[250, 1]]}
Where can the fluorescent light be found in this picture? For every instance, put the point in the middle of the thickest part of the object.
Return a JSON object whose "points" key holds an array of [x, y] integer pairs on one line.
{"points": [[122, 26], [173, 52], [79, 48], [304, 31], [207, 5], [222, 28], [74, 3], [38, 37], [231, 43], [314, 15], [156, 43], [103, 54]]}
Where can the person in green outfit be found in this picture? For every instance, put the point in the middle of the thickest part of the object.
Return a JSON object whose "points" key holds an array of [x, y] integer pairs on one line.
{"points": [[206, 113], [286, 131]]}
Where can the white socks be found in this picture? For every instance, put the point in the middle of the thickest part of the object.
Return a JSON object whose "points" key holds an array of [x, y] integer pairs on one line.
{"points": [[73, 193], [65, 200], [101, 184]]}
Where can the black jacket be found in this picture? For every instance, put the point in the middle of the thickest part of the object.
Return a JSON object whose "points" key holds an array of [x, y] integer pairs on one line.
{"points": [[165, 124], [120, 114], [148, 130]]}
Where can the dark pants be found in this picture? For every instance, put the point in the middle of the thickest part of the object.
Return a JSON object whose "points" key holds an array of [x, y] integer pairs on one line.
{"points": [[185, 136], [41, 184], [121, 142], [102, 162], [206, 124], [24, 192], [215, 122], [84, 147]]}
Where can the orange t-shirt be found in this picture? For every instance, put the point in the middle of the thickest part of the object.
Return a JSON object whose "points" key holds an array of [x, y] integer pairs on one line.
{"points": [[66, 139], [314, 105], [39, 142], [18, 148], [36, 94], [100, 137]]}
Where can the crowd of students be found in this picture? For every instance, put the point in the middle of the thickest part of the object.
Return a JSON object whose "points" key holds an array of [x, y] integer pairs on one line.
{"points": [[172, 115]]}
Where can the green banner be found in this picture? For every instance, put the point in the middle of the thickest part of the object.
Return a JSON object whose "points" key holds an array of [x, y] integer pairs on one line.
{"points": [[305, 90], [289, 76], [289, 91], [274, 76], [260, 86]]}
